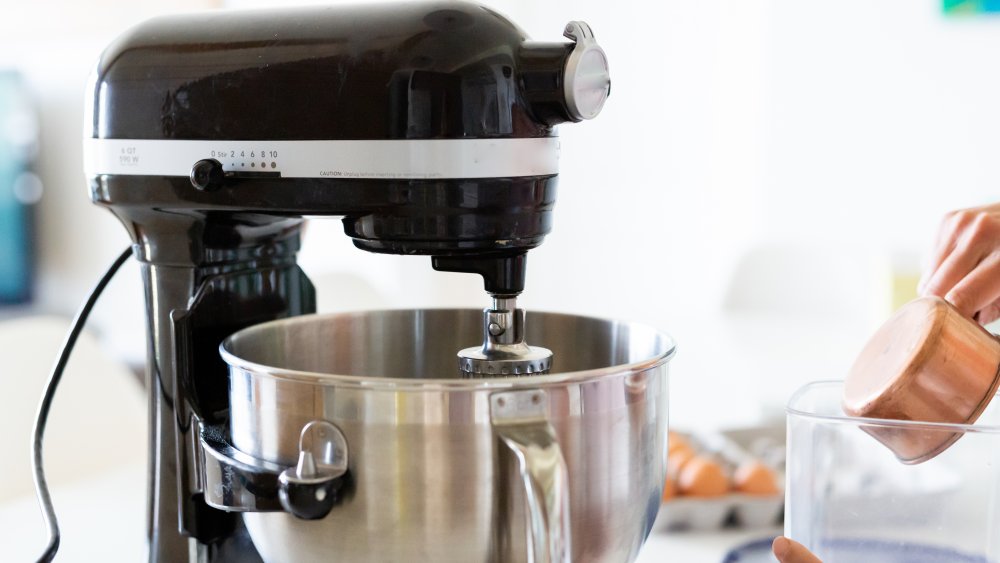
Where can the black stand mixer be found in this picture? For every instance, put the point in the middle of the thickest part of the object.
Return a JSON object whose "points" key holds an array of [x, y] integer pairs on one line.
{"points": [[429, 127]]}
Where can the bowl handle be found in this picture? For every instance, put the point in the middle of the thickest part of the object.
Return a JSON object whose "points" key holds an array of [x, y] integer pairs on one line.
{"points": [[520, 423]]}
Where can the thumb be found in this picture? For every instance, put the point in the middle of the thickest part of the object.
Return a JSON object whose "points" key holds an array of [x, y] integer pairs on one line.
{"points": [[788, 551]]}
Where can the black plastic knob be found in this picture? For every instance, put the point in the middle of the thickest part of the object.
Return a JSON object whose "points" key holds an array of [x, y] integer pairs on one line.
{"points": [[207, 175], [309, 498]]}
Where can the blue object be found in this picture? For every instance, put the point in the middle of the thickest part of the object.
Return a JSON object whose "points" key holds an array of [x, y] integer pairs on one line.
{"points": [[19, 190], [960, 7]]}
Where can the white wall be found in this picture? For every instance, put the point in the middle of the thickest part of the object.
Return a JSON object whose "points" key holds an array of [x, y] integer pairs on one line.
{"points": [[884, 103], [759, 167], [55, 44]]}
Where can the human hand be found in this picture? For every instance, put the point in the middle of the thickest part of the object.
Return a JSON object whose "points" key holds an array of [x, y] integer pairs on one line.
{"points": [[965, 266], [788, 551]]}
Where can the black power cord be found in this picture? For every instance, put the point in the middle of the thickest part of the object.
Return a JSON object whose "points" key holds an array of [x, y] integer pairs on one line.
{"points": [[41, 486]]}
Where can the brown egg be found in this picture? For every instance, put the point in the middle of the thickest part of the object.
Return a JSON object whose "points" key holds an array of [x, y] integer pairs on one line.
{"points": [[677, 459], [680, 448], [675, 441], [755, 478], [702, 477], [669, 489]]}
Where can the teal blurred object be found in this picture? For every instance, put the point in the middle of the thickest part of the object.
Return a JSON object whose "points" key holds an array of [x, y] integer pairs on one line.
{"points": [[20, 189], [967, 7]]}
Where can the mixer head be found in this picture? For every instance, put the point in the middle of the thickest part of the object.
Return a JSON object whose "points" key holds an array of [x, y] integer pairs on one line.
{"points": [[504, 351], [429, 127]]}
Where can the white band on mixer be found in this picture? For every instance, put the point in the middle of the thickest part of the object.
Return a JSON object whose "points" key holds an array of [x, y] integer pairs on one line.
{"points": [[379, 160]]}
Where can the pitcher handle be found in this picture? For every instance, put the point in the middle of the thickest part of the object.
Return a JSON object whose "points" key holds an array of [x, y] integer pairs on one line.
{"points": [[520, 422]]}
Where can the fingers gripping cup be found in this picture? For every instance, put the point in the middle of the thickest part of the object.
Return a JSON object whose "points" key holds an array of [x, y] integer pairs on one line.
{"points": [[927, 363]]}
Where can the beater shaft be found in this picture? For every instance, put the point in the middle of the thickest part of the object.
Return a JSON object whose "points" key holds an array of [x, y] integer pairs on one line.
{"points": [[504, 351]]}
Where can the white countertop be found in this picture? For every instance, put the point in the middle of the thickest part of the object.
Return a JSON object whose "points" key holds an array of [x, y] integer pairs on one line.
{"points": [[698, 547], [104, 519]]}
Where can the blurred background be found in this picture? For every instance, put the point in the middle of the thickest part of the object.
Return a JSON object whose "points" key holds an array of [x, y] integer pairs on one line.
{"points": [[763, 184]]}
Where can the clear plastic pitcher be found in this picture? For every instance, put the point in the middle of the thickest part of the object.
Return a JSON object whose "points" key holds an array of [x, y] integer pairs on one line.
{"points": [[850, 499]]}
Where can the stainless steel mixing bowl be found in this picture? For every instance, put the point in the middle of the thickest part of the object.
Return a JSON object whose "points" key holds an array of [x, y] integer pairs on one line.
{"points": [[561, 467]]}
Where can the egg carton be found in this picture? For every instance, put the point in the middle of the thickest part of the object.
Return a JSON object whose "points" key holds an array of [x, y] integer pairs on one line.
{"points": [[733, 509]]}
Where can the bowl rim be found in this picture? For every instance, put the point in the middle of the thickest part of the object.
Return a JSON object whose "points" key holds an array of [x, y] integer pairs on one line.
{"points": [[440, 384], [791, 410]]}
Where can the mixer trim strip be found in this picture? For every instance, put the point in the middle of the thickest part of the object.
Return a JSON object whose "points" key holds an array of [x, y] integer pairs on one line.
{"points": [[360, 159]]}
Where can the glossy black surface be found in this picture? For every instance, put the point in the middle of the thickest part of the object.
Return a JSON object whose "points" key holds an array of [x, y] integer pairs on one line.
{"points": [[240, 270], [447, 218], [395, 71], [503, 275]]}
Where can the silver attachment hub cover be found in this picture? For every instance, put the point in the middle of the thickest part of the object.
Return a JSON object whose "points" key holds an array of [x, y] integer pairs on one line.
{"points": [[533, 360], [587, 82]]}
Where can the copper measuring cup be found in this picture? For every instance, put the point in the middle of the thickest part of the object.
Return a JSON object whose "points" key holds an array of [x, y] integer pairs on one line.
{"points": [[927, 363]]}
